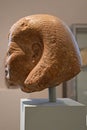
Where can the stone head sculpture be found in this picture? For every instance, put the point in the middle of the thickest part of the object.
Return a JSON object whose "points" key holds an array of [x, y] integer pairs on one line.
{"points": [[42, 53]]}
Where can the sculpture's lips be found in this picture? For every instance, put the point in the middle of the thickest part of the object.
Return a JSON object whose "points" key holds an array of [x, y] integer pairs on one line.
{"points": [[7, 72], [10, 84]]}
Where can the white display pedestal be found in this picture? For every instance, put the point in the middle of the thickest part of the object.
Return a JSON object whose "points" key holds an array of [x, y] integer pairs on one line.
{"points": [[64, 114]]}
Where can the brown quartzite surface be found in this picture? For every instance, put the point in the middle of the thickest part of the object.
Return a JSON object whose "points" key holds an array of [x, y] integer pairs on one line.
{"points": [[42, 53]]}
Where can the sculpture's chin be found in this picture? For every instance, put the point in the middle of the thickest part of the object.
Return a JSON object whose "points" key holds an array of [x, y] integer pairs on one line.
{"points": [[11, 84]]}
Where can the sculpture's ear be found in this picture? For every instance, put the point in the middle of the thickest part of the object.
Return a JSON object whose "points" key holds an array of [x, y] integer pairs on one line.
{"points": [[36, 52]]}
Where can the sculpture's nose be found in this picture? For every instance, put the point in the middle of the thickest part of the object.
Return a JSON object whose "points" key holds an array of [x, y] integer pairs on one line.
{"points": [[7, 76]]}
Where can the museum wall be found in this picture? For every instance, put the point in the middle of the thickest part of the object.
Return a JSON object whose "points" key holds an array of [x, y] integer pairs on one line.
{"points": [[74, 11]]}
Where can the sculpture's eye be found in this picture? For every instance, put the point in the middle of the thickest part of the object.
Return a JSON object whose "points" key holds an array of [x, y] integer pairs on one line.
{"points": [[9, 52]]}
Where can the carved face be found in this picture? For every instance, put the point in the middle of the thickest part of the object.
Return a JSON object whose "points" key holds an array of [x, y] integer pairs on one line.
{"points": [[42, 53], [22, 55], [16, 60]]}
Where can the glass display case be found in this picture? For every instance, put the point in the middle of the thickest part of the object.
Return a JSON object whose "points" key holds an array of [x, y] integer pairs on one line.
{"points": [[77, 87]]}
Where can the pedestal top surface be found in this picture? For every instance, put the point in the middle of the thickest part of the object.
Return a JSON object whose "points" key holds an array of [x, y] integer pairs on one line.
{"points": [[45, 102]]}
